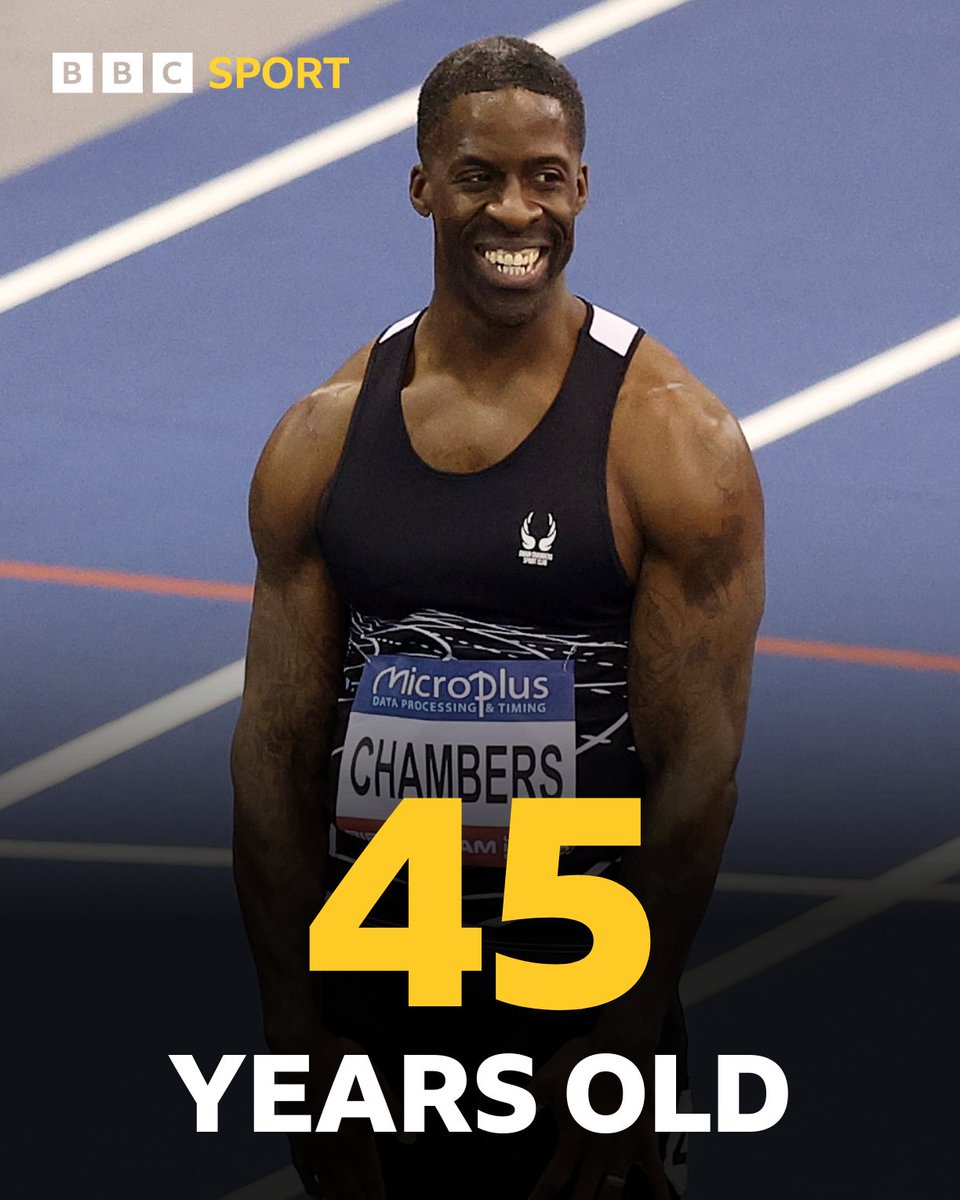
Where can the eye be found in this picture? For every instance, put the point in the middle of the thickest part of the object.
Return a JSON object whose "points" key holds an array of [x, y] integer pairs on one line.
{"points": [[550, 177], [474, 178]]}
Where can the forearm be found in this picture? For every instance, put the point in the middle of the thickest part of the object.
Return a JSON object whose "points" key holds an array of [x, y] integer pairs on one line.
{"points": [[281, 828], [686, 815]]}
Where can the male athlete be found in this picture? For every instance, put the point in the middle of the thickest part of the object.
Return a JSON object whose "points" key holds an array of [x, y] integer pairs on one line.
{"points": [[512, 548]]}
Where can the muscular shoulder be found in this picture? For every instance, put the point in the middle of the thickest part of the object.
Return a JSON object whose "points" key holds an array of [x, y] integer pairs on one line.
{"points": [[679, 456], [298, 462]]}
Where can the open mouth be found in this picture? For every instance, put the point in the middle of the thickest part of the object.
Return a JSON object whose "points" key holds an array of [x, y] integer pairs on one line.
{"points": [[515, 264]]}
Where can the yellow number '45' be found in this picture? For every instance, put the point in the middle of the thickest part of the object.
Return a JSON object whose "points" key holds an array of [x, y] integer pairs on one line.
{"points": [[435, 948]]}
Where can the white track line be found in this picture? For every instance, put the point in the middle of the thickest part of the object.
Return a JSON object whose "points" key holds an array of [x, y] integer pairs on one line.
{"points": [[869, 899], [283, 166], [281, 1185], [877, 374], [597, 23], [220, 857], [849, 387], [207, 200], [857, 903], [114, 853], [748, 883], [116, 737], [821, 923], [770, 424]]}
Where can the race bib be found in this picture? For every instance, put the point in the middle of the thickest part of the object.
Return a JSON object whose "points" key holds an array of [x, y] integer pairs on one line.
{"points": [[485, 731]]}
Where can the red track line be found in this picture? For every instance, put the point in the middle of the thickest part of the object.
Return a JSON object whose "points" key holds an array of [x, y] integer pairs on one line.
{"points": [[165, 585], [875, 656], [159, 585]]}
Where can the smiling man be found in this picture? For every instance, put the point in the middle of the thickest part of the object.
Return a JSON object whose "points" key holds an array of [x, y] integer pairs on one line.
{"points": [[512, 548]]}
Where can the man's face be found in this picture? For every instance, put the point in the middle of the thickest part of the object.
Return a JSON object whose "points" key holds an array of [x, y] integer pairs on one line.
{"points": [[503, 182]]}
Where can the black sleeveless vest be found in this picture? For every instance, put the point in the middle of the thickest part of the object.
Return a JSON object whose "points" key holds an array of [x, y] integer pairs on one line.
{"points": [[526, 541], [511, 565]]}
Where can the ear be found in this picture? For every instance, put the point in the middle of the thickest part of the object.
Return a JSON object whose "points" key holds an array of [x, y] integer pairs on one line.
{"points": [[583, 186], [420, 190]]}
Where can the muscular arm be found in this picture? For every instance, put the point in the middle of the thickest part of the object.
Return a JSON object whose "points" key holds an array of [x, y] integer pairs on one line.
{"points": [[688, 523], [281, 780], [282, 743], [698, 604]]}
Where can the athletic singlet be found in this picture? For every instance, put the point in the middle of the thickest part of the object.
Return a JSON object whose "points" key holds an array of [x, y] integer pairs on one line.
{"points": [[487, 653], [489, 617]]}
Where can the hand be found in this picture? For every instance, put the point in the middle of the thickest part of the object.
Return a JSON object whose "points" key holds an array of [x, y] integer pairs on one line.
{"points": [[600, 1161], [344, 1165]]}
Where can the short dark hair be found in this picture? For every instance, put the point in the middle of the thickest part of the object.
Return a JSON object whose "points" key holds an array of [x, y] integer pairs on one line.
{"points": [[489, 65]]}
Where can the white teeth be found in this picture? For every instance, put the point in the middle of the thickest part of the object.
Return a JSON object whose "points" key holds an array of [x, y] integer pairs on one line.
{"points": [[520, 262]]}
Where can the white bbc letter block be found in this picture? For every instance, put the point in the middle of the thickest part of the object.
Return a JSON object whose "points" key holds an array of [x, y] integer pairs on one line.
{"points": [[72, 72], [173, 72], [121, 72]]}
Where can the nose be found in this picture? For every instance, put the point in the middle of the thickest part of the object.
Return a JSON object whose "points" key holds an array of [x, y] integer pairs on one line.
{"points": [[513, 207]]}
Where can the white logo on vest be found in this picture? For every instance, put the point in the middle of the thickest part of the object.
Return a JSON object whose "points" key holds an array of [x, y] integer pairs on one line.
{"points": [[535, 552]]}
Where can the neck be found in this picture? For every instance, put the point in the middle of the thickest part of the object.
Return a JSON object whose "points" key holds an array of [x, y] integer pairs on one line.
{"points": [[460, 341]]}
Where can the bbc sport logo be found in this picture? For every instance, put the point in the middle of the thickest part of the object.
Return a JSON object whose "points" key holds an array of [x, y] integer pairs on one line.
{"points": [[75, 72], [121, 72]]}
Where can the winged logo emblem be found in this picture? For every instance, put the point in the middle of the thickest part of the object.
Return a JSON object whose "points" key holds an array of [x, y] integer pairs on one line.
{"points": [[534, 551]]}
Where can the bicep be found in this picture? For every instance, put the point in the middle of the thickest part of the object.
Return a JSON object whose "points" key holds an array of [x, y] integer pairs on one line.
{"points": [[695, 616], [297, 627], [296, 642]]}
